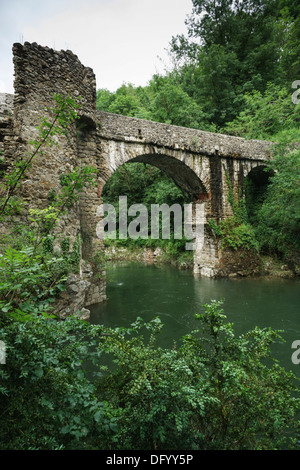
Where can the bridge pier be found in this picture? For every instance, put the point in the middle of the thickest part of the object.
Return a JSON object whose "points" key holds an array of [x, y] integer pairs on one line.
{"points": [[206, 258], [204, 244]]}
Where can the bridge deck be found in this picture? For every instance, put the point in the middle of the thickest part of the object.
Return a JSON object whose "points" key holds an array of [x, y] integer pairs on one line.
{"points": [[118, 127]]}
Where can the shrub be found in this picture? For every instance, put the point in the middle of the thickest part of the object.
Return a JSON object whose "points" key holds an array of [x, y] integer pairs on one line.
{"points": [[215, 391], [47, 399]]}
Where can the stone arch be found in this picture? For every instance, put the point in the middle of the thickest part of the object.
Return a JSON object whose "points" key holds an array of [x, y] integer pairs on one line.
{"points": [[259, 171], [184, 177], [238, 172], [179, 166]]}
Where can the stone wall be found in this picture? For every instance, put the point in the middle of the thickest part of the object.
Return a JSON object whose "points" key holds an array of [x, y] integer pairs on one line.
{"points": [[6, 127], [41, 72]]}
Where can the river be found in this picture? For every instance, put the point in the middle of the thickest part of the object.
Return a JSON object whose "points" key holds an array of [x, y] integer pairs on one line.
{"points": [[138, 290]]}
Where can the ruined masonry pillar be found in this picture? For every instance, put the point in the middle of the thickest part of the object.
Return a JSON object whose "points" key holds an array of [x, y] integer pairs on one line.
{"points": [[206, 250], [41, 72]]}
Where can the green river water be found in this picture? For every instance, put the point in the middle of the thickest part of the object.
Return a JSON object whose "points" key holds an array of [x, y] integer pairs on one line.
{"points": [[135, 289]]}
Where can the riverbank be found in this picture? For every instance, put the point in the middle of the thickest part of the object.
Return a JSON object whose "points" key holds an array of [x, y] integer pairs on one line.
{"points": [[149, 256], [273, 267], [270, 267]]}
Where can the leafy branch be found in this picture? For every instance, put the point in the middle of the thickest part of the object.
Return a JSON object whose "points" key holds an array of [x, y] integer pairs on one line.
{"points": [[63, 115]]}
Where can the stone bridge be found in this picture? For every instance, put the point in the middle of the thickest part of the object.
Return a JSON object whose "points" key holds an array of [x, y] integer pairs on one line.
{"points": [[199, 162]]}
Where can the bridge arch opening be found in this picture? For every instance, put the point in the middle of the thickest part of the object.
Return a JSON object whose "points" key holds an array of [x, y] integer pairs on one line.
{"points": [[158, 180], [256, 185], [177, 170]]}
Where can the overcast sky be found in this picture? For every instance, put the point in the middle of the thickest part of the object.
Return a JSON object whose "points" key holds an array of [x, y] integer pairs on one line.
{"points": [[123, 41]]}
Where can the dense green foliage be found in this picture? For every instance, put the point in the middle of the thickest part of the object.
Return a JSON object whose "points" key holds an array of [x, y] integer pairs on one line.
{"points": [[213, 391], [278, 228], [237, 47], [267, 116], [47, 401]]}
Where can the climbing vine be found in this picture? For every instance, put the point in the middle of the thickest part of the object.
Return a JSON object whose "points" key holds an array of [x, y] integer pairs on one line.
{"points": [[235, 231]]}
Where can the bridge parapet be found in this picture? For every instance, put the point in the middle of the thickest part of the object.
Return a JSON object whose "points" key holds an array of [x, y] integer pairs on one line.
{"points": [[128, 129]]}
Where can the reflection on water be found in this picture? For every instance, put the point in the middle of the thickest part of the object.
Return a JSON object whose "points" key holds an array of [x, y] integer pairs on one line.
{"points": [[134, 289]]}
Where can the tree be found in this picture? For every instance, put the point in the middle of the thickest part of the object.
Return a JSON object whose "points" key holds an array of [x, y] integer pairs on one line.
{"points": [[172, 105], [48, 401], [127, 100], [233, 47], [266, 115], [163, 100], [290, 33], [278, 229]]}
